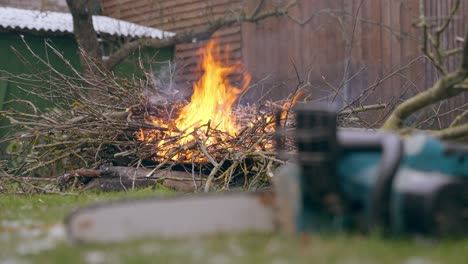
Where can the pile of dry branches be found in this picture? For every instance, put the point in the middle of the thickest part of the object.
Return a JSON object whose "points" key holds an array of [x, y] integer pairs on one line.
{"points": [[94, 121]]}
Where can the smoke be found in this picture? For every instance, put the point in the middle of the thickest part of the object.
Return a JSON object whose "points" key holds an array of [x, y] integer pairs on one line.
{"points": [[165, 88]]}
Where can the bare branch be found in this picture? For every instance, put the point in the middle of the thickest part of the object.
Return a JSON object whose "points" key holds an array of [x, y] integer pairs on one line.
{"points": [[455, 132], [459, 118], [444, 88], [258, 8]]}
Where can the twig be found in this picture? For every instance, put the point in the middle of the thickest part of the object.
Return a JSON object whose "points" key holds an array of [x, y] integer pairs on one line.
{"points": [[362, 109]]}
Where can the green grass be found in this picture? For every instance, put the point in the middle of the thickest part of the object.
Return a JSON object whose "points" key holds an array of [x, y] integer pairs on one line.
{"points": [[29, 241], [53, 208]]}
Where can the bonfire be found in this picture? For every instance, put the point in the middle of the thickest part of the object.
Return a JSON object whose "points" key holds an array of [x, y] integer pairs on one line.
{"points": [[207, 142], [207, 124], [207, 129]]}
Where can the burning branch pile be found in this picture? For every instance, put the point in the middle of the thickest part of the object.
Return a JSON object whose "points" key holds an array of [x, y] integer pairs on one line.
{"points": [[98, 121]]}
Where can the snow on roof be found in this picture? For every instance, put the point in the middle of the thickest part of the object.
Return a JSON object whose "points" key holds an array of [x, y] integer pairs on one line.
{"points": [[15, 18]]}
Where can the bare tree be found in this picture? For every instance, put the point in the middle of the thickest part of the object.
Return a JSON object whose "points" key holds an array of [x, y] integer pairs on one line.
{"points": [[449, 85]]}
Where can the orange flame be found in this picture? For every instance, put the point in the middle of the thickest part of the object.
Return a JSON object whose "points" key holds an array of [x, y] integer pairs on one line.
{"points": [[210, 107], [288, 104], [213, 95]]}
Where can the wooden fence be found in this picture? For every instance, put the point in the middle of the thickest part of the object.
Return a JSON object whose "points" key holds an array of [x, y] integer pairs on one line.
{"points": [[347, 51]]}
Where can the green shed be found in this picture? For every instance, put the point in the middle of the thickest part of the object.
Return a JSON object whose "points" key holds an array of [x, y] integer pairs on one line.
{"points": [[19, 27]]}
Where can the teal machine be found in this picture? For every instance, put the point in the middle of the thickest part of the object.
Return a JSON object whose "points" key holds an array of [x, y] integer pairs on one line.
{"points": [[349, 179]]}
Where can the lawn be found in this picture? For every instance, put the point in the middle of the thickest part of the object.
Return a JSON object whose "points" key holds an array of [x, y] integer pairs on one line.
{"points": [[31, 232]]}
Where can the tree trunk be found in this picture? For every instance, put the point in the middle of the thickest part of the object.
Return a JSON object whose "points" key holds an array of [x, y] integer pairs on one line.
{"points": [[85, 35]]}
